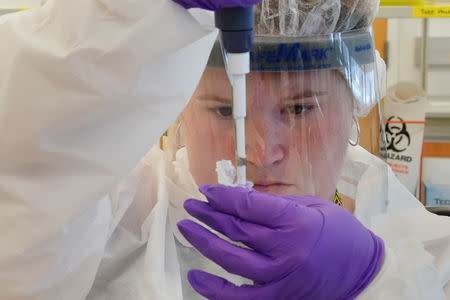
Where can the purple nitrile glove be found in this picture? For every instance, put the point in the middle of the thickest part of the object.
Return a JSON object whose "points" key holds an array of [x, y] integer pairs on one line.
{"points": [[215, 4], [303, 247]]}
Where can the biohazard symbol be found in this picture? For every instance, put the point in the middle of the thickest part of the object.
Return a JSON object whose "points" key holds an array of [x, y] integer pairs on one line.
{"points": [[397, 136]]}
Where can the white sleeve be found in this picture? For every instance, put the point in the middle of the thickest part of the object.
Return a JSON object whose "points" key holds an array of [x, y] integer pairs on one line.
{"points": [[86, 87], [417, 261]]}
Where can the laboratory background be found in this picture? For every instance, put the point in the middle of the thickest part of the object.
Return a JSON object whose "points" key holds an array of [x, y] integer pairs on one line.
{"points": [[414, 39]]}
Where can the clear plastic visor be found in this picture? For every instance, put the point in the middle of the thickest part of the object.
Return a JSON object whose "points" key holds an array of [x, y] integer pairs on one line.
{"points": [[299, 121], [298, 127]]}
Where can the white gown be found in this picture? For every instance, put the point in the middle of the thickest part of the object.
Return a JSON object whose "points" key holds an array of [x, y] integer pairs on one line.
{"points": [[155, 267], [86, 87]]}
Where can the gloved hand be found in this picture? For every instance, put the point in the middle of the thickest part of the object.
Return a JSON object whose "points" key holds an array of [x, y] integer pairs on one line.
{"points": [[303, 247], [215, 4]]}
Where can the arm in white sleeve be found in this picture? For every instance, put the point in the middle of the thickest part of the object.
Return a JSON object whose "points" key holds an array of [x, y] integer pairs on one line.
{"points": [[86, 87], [417, 261]]}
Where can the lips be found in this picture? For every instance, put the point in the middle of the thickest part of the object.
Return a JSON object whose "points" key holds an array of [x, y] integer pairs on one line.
{"points": [[267, 183], [272, 187]]}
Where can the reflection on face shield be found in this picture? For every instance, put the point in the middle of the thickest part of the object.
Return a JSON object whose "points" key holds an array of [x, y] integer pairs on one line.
{"points": [[300, 107], [297, 129]]}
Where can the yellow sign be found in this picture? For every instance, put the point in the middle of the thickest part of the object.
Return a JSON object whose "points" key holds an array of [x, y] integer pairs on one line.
{"points": [[431, 12], [22, 9], [337, 199]]}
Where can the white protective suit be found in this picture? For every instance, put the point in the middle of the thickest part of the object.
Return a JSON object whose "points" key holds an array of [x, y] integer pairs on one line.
{"points": [[86, 87]]}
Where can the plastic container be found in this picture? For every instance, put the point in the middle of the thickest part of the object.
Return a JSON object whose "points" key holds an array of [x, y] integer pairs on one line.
{"points": [[436, 182], [402, 2], [436, 194], [404, 112]]}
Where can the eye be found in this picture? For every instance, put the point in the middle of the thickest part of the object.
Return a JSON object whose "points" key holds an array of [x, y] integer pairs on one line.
{"points": [[224, 111], [298, 109]]}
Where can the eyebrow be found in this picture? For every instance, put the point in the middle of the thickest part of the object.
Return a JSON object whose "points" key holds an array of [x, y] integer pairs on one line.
{"points": [[228, 101], [303, 95], [215, 98]]}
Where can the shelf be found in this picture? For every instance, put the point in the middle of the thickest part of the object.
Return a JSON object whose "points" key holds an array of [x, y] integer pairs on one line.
{"points": [[427, 11], [437, 129], [438, 109], [387, 12]]}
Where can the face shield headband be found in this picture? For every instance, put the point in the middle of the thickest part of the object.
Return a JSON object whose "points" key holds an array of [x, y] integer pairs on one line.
{"points": [[351, 53]]}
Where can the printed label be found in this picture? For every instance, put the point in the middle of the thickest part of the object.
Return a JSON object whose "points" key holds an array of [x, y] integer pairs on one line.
{"points": [[431, 12]]}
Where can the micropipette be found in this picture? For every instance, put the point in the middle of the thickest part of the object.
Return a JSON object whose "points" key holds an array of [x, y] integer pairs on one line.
{"points": [[236, 33]]}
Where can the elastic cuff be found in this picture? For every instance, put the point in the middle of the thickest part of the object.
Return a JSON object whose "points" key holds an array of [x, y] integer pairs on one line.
{"points": [[386, 262], [373, 270]]}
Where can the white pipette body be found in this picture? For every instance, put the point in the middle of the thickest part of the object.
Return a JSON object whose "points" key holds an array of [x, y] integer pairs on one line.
{"points": [[238, 66]]}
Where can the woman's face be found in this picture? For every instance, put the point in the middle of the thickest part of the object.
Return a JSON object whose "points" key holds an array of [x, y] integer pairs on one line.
{"points": [[297, 130]]}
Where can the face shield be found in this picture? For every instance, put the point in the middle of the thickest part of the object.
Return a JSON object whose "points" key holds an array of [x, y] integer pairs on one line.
{"points": [[303, 97]]}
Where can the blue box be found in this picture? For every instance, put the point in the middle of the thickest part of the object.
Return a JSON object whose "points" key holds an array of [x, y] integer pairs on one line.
{"points": [[437, 194]]}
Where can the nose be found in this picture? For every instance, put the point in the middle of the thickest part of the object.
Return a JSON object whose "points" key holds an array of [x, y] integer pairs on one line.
{"points": [[265, 142]]}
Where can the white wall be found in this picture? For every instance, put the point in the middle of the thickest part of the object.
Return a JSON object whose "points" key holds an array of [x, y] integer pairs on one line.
{"points": [[401, 61]]}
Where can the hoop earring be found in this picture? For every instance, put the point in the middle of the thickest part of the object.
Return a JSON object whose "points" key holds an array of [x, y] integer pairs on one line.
{"points": [[358, 130], [172, 140]]}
